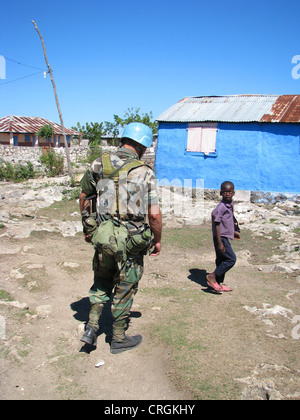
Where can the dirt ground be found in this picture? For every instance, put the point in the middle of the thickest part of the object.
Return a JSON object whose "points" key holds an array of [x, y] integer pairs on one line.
{"points": [[196, 344]]}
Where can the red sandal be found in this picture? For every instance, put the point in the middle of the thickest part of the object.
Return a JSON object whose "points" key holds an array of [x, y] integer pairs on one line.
{"points": [[214, 285], [226, 288]]}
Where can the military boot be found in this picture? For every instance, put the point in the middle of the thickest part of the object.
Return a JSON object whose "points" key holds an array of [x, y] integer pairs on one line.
{"points": [[90, 336], [127, 343]]}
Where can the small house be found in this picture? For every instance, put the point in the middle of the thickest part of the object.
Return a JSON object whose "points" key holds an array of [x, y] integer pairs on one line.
{"points": [[251, 140], [22, 131]]}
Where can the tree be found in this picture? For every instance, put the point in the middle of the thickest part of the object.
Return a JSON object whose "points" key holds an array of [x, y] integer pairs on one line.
{"points": [[46, 132], [131, 115], [94, 131], [91, 131]]}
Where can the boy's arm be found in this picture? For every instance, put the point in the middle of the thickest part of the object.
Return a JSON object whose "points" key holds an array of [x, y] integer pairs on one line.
{"points": [[236, 229], [237, 235], [220, 243]]}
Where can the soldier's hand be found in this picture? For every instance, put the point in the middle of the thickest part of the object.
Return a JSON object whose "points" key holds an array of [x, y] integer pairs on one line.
{"points": [[86, 238], [156, 250]]}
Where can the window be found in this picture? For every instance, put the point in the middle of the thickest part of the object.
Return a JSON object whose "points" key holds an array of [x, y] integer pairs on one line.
{"points": [[27, 137], [202, 139]]}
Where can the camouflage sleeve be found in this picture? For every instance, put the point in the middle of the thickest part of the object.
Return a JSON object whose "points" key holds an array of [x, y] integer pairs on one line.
{"points": [[153, 195]]}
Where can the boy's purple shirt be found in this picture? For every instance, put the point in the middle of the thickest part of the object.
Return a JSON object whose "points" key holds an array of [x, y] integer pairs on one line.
{"points": [[223, 214]]}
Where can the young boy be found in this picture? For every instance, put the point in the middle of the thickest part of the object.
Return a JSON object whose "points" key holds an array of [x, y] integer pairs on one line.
{"points": [[223, 231]]}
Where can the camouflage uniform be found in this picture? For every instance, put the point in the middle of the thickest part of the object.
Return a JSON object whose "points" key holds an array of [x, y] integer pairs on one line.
{"points": [[141, 191]]}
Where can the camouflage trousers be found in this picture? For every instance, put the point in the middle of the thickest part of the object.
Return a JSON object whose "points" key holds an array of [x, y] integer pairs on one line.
{"points": [[123, 283]]}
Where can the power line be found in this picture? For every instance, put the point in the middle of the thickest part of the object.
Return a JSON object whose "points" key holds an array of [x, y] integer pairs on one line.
{"points": [[22, 64], [20, 78], [25, 65]]}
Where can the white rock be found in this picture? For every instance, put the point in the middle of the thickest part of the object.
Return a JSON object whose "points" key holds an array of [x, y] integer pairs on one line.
{"points": [[35, 266], [99, 363], [43, 311], [71, 264], [15, 273], [14, 304], [27, 248]]}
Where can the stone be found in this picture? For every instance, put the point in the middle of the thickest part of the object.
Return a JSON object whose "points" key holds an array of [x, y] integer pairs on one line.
{"points": [[71, 265], [14, 304], [285, 267], [15, 273], [27, 248], [35, 266], [100, 363], [43, 311], [32, 285]]}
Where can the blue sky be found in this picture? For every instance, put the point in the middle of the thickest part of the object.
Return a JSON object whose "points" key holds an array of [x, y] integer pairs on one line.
{"points": [[110, 55]]}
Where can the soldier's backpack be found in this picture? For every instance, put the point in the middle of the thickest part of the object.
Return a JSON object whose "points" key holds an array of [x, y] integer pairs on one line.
{"points": [[111, 236]]}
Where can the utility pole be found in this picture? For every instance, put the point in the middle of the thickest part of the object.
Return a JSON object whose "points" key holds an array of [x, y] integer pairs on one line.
{"points": [[56, 99]]}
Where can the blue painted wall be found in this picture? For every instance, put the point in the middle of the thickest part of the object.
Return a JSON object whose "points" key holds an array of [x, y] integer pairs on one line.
{"points": [[255, 157]]}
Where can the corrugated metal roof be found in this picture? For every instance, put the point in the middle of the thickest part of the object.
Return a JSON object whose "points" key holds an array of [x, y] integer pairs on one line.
{"points": [[236, 108], [30, 125]]}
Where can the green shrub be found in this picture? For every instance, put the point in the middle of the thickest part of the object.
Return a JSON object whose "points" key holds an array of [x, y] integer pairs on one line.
{"points": [[22, 172], [94, 152], [54, 163], [16, 173]]}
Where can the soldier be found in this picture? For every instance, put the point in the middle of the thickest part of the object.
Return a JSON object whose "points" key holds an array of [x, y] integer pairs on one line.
{"points": [[123, 204]]}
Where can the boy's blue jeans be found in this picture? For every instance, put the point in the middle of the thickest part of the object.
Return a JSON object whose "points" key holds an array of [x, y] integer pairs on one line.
{"points": [[224, 262]]}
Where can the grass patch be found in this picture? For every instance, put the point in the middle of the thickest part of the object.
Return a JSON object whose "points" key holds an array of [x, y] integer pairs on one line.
{"points": [[200, 237], [4, 295], [44, 235], [35, 280], [191, 237], [175, 326], [61, 210], [68, 385], [176, 334], [262, 248]]}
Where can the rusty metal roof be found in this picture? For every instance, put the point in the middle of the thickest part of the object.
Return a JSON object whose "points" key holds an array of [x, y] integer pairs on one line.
{"points": [[235, 108], [30, 125]]}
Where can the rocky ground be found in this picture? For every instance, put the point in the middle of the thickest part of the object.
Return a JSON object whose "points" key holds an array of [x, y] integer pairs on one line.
{"points": [[46, 274]]}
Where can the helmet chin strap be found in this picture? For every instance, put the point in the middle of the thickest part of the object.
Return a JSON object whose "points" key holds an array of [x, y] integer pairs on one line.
{"points": [[141, 150], [131, 144]]}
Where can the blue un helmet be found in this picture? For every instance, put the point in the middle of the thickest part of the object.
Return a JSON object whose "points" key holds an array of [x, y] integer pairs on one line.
{"points": [[138, 132]]}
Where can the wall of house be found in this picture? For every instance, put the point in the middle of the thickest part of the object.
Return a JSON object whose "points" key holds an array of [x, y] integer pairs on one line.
{"points": [[256, 157], [4, 138], [27, 140]]}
